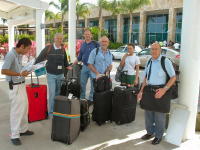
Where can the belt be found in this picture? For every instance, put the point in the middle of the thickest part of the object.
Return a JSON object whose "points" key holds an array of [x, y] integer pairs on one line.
{"points": [[153, 88], [18, 83], [156, 86]]}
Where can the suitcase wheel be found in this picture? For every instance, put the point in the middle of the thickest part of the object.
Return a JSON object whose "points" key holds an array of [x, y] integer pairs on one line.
{"points": [[99, 123], [118, 122]]}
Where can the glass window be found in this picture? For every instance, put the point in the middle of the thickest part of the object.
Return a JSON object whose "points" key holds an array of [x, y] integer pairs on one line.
{"points": [[111, 27], [94, 23], [145, 52], [120, 48], [126, 50], [135, 30], [157, 27], [164, 51], [178, 27]]}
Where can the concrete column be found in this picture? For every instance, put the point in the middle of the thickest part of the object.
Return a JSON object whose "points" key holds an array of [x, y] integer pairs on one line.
{"points": [[11, 36], [40, 30], [86, 23], [190, 62], [72, 30], [143, 24], [172, 24], [119, 28]]}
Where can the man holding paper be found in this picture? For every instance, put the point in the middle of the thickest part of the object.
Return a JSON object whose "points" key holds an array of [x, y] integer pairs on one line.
{"points": [[56, 63], [12, 68]]}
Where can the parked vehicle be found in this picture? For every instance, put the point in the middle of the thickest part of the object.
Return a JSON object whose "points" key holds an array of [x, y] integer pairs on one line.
{"points": [[119, 53], [145, 55]]}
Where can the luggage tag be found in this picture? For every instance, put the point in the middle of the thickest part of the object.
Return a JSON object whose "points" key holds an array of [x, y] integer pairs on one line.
{"points": [[70, 96], [59, 67]]}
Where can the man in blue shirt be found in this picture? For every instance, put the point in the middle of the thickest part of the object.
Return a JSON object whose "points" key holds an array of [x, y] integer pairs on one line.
{"points": [[101, 62], [83, 56], [155, 76]]}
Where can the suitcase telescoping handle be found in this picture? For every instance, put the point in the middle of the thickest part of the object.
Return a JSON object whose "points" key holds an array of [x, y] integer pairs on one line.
{"points": [[108, 74], [33, 84]]}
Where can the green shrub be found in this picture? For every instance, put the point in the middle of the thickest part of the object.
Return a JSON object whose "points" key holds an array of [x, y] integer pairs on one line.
{"points": [[95, 32], [20, 36], [3, 39], [115, 45], [52, 32]]}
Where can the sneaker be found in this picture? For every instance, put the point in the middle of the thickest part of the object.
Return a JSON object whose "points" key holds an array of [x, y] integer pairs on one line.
{"points": [[16, 141], [27, 133], [156, 141]]}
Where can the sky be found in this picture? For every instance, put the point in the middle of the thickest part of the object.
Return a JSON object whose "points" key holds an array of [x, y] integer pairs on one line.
{"points": [[51, 8]]}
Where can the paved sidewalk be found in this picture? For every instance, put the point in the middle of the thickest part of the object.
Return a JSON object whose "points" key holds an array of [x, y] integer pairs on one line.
{"points": [[106, 137], [109, 136]]}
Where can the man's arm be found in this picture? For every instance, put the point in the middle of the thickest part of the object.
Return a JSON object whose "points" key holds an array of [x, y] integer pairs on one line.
{"points": [[160, 92], [91, 61], [122, 63], [79, 58], [43, 55], [93, 69], [137, 74], [12, 73], [170, 70], [139, 96]]}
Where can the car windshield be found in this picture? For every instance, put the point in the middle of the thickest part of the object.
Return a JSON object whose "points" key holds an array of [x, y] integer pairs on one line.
{"points": [[120, 48], [164, 51], [144, 52]]}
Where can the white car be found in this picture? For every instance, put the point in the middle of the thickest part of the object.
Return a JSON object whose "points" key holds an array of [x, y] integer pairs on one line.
{"points": [[119, 53], [145, 55]]}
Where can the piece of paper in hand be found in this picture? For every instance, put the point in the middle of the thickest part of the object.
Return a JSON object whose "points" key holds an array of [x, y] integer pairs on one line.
{"points": [[29, 66], [39, 65]]}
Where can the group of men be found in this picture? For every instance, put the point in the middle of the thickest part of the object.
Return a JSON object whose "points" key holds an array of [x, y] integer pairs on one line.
{"points": [[97, 60]]}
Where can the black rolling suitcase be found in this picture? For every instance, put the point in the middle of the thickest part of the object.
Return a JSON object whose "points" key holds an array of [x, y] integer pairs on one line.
{"points": [[66, 119], [85, 115], [124, 104], [102, 107]]}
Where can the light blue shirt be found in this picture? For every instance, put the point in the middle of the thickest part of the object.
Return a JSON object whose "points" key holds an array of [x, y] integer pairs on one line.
{"points": [[158, 76], [13, 62], [101, 61]]}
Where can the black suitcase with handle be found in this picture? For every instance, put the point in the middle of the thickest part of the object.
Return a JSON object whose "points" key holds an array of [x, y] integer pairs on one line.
{"points": [[124, 104], [85, 115], [66, 119], [102, 107]]}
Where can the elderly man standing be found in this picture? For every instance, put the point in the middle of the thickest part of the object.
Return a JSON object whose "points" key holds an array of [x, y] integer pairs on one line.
{"points": [[56, 63], [155, 93], [100, 59]]}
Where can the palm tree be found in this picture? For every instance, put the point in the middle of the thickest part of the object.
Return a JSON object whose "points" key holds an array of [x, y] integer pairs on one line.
{"points": [[114, 7], [82, 10], [49, 15], [102, 4], [63, 8], [129, 6]]}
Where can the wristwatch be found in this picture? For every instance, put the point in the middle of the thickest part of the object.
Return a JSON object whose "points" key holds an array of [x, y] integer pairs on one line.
{"points": [[166, 87]]}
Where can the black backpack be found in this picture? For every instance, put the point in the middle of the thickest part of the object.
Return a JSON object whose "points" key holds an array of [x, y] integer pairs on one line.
{"points": [[174, 88]]}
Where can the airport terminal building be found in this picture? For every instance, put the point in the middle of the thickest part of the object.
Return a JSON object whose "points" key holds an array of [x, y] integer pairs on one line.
{"points": [[162, 20]]}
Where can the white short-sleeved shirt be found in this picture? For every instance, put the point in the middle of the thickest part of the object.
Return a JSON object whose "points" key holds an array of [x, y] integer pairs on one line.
{"points": [[130, 63]]}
